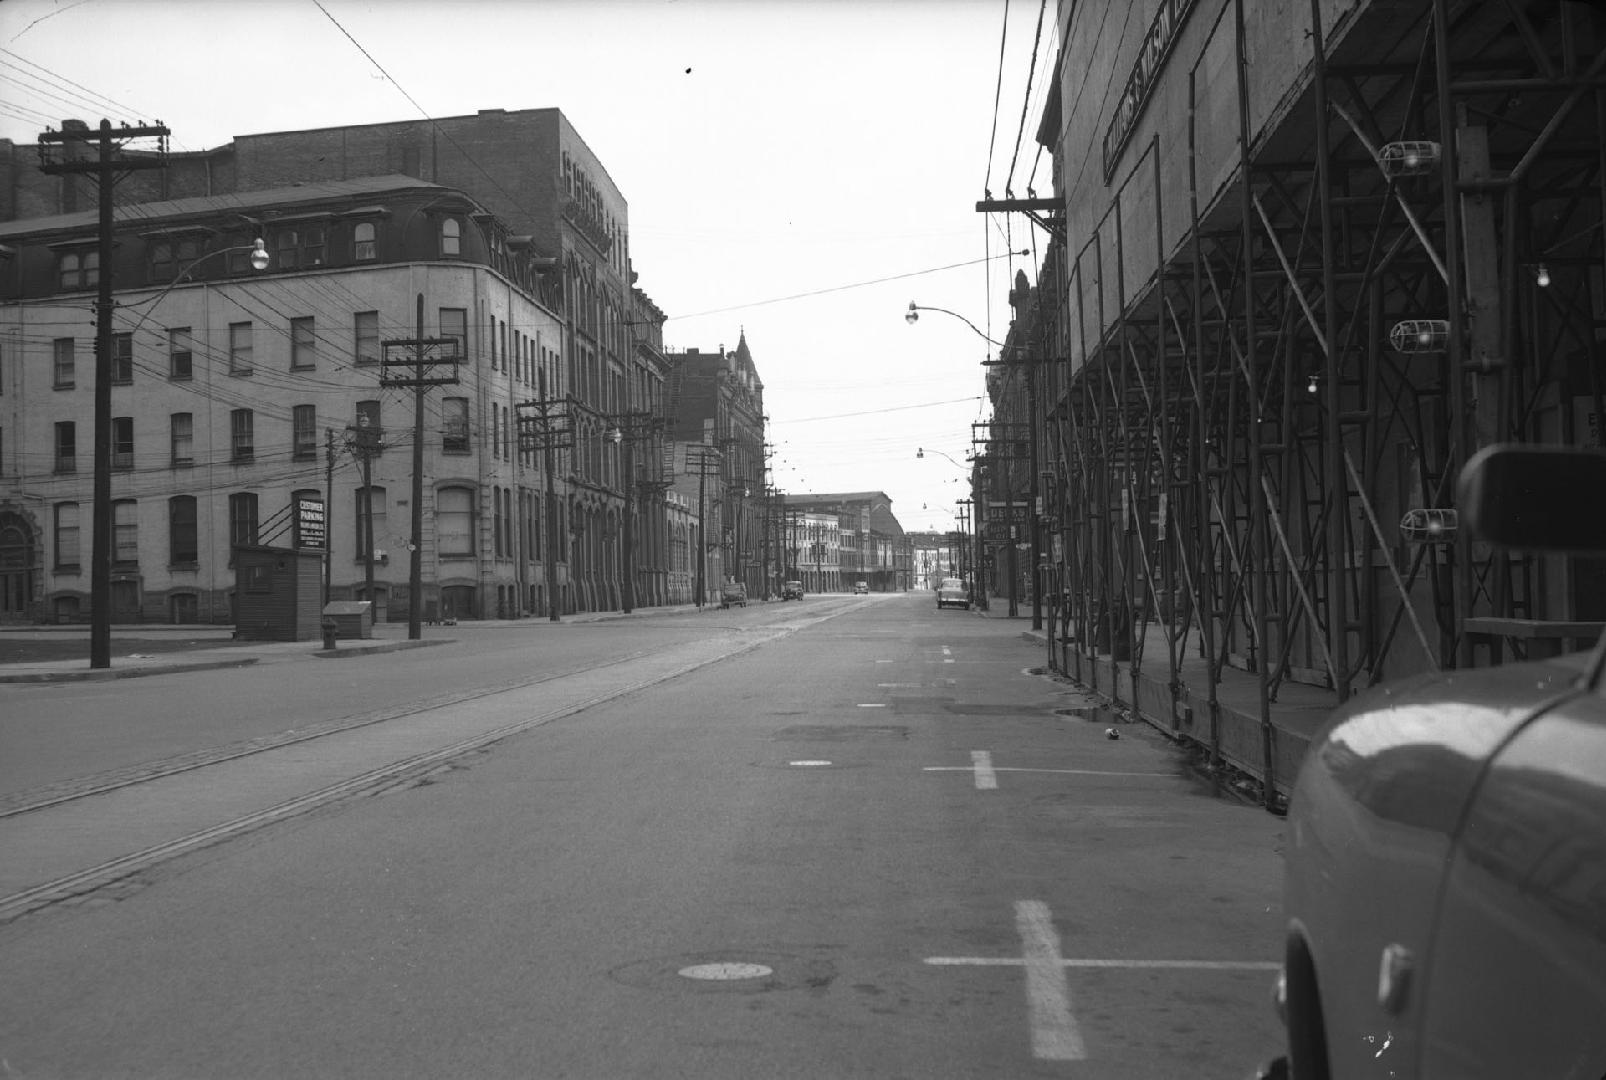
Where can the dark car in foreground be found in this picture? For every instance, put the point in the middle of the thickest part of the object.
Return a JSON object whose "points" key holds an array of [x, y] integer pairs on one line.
{"points": [[792, 590], [1446, 869]]}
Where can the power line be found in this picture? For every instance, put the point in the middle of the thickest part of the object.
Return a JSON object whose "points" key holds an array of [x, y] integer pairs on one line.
{"points": [[843, 288]]}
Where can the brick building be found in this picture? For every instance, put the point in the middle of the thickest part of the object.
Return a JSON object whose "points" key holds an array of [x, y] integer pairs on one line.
{"points": [[232, 384]]}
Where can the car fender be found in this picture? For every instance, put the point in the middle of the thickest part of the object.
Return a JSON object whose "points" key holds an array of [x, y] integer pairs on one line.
{"points": [[1378, 802]]}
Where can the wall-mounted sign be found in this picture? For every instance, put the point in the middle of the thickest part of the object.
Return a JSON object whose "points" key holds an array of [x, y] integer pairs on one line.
{"points": [[311, 524]]}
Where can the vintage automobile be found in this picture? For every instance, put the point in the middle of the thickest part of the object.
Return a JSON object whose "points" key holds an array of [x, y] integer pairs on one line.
{"points": [[733, 594], [792, 590], [861, 587], [1445, 884], [951, 593]]}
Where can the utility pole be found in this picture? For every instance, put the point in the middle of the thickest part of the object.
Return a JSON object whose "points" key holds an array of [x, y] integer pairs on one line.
{"points": [[328, 502], [364, 444], [107, 168], [545, 425], [416, 362], [706, 457]]}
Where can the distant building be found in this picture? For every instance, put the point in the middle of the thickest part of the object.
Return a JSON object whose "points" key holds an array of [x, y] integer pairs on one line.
{"points": [[847, 537]]}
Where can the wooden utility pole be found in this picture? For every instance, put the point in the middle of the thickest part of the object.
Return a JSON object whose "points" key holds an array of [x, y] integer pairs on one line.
{"points": [[107, 167], [418, 363], [702, 457], [546, 425]]}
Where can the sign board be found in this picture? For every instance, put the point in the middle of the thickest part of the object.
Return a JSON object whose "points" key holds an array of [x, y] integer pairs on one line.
{"points": [[311, 528]]}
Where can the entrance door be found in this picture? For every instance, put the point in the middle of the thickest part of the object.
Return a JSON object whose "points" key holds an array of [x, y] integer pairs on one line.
{"points": [[125, 601], [16, 568]]}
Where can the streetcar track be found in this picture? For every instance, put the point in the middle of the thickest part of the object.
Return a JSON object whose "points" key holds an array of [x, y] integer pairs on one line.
{"points": [[95, 878], [101, 783]]}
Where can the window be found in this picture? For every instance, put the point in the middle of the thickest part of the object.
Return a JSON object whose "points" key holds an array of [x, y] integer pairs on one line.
{"points": [[312, 245], [374, 503], [242, 436], [169, 257], [242, 518], [62, 351], [368, 416], [80, 269], [182, 426], [67, 542], [454, 324], [362, 242], [287, 247], [180, 359], [66, 446], [303, 343], [122, 359], [454, 425], [451, 237], [497, 522], [454, 522], [242, 342], [183, 548], [122, 442], [304, 432], [125, 532], [366, 325]]}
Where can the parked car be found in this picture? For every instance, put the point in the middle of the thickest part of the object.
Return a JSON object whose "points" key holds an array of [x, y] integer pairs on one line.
{"points": [[951, 593], [733, 594], [1446, 870], [861, 587], [792, 590]]}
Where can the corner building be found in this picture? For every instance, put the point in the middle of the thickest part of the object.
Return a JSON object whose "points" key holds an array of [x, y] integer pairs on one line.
{"points": [[235, 389]]}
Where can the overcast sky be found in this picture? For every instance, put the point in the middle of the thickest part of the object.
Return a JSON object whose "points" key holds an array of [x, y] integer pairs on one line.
{"points": [[768, 149]]}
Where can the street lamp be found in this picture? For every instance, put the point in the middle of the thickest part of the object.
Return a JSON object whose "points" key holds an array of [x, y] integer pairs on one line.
{"points": [[912, 316], [101, 552]]}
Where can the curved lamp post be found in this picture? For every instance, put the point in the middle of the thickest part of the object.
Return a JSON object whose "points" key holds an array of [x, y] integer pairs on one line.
{"points": [[100, 570], [911, 317]]}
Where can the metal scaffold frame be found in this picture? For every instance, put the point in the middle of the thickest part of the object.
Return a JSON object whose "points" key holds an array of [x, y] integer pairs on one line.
{"points": [[1258, 458]]}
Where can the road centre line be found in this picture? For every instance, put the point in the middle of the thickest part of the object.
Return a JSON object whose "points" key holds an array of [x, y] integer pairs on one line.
{"points": [[1055, 1034], [982, 764]]}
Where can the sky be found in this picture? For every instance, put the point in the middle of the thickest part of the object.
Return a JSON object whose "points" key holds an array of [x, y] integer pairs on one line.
{"points": [[796, 170]]}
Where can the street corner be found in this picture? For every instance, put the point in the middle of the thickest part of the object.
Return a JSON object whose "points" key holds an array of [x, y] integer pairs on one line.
{"points": [[369, 649]]}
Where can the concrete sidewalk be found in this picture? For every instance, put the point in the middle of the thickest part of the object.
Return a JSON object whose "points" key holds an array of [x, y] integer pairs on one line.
{"points": [[1181, 705], [225, 653]]}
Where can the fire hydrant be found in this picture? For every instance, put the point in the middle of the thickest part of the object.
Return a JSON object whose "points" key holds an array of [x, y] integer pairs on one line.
{"points": [[330, 628]]}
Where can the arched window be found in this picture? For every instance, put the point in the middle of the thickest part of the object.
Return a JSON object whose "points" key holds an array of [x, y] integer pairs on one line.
{"points": [[362, 238], [451, 237], [454, 522]]}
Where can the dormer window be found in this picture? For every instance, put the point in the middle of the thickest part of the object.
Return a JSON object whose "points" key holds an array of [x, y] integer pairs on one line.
{"points": [[169, 257], [80, 269], [451, 237]]}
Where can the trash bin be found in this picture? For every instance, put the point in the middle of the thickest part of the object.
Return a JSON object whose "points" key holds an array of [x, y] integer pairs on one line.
{"points": [[330, 630]]}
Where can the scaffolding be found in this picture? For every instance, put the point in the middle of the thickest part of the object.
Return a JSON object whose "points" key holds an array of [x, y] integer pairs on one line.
{"points": [[1255, 448]]}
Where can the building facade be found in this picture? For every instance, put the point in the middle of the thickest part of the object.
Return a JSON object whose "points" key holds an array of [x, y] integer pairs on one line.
{"points": [[237, 390]]}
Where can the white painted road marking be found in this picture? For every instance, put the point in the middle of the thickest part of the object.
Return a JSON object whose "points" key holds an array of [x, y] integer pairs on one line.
{"points": [[982, 763], [947, 655], [1063, 772], [1091, 962], [1055, 1035]]}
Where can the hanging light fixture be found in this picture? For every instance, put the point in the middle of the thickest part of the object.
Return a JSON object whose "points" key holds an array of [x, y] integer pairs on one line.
{"points": [[1542, 276]]}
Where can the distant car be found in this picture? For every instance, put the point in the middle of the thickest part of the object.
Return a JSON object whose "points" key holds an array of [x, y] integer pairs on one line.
{"points": [[951, 593], [1445, 878], [792, 590], [861, 587]]}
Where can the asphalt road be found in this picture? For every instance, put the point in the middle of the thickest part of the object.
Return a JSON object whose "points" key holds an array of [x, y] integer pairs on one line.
{"points": [[848, 837]]}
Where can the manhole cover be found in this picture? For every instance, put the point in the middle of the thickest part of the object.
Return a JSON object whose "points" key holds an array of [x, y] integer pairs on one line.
{"points": [[737, 970], [725, 970]]}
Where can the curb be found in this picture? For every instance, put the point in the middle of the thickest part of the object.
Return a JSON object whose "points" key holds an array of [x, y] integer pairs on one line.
{"points": [[105, 674], [338, 653]]}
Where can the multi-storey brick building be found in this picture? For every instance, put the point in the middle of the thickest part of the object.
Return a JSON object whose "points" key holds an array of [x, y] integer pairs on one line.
{"points": [[231, 381]]}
